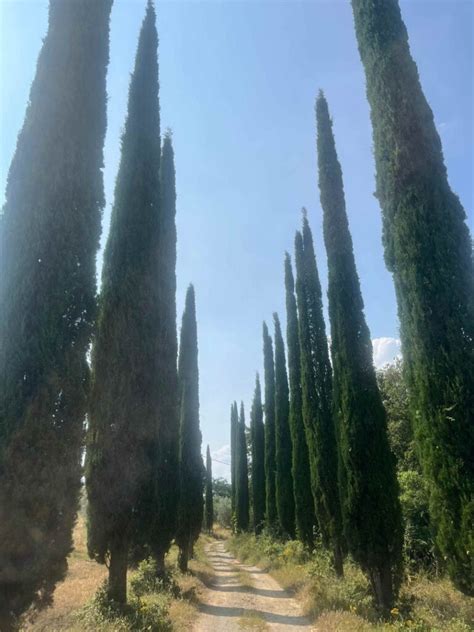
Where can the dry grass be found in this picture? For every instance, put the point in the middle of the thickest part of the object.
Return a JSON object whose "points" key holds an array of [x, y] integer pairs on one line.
{"points": [[244, 578], [253, 621]]}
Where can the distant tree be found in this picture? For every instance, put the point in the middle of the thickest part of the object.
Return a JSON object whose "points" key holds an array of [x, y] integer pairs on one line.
{"points": [[234, 420], [258, 458], [304, 504], [271, 516], [123, 425], [283, 446], [191, 469], [209, 513], [49, 235], [242, 481], [428, 249], [316, 380], [369, 490], [221, 487]]}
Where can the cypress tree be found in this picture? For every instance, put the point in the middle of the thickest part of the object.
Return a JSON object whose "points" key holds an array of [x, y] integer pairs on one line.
{"points": [[258, 458], [304, 504], [164, 505], [190, 512], [271, 516], [234, 419], [49, 235], [370, 505], [121, 450], [316, 380], [242, 478], [283, 446], [428, 250], [209, 513]]}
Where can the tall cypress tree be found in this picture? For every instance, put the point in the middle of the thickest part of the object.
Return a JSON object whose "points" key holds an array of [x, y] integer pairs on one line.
{"points": [[428, 250], [234, 420], [304, 504], [271, 516], [191, 470], [121, 450], [283, 446], [242, 477], [369, 494], [209, 512], [258, 458], [49, 234], [316, 380]]}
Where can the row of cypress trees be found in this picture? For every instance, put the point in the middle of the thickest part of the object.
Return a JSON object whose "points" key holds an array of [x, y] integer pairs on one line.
{"points": [[144, 471], [340, 448]]}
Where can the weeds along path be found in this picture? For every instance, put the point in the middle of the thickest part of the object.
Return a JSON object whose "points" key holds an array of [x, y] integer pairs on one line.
{"points": [[244, 597]]}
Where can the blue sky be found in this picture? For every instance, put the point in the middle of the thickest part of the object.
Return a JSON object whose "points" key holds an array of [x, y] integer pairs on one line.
{"points": [[238, 83]]}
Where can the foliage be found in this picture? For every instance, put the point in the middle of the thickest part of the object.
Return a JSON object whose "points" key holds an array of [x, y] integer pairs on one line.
{"points": [[223, 511], [428, 249], [316, 380], [49, 235], [303, 499], [234, 421], [191, 469], [221, 487], [368, 484], [271, 517], [257, 430], [241, 474], [283, 447]]}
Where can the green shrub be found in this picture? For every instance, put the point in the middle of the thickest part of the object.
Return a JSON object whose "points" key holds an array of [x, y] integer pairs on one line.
{"points": [[145, 580]]}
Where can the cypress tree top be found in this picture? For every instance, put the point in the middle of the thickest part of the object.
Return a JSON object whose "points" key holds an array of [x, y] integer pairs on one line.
{"points": [[429, 252], [369, 489], [49, 235]]}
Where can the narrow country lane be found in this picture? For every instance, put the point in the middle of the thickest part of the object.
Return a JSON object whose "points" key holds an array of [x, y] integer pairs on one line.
{"points": [[246, 597]]}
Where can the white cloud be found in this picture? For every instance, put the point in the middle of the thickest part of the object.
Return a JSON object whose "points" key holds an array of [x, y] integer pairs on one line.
{"points": [[385, 351], [221, 462]]}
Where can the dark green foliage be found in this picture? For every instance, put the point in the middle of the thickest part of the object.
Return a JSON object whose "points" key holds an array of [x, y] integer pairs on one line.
{"points": [[209, 511], [242, 478], [316, 381], [191, 469], [271, 517], [234, 420], [428, 250], [304, 504], [283, 447], [126, 389], [369, 489], [49, 234], [257, 430]]}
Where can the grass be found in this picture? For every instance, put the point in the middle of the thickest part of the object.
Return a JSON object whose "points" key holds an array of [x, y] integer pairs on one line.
{"points": [[425, 605], [80, 604], [253, 621], [244, 578]]}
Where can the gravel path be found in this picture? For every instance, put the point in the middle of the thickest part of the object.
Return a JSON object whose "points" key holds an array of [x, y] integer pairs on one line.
{"points": [[245, 597]]}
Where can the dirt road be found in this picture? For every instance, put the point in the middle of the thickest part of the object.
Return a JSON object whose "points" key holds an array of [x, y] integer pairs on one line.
{"points": [[246, 598]]}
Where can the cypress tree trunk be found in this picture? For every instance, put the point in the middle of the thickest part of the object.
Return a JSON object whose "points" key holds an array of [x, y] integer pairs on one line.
{"points": [[271, 517], [371, 509], [117, 588], [209, 500], [191, 469], [258, 458], [49, 235], [242, 484], [428, 250], [316, 380], [283, 447], [304, 504], [121, 451]]}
